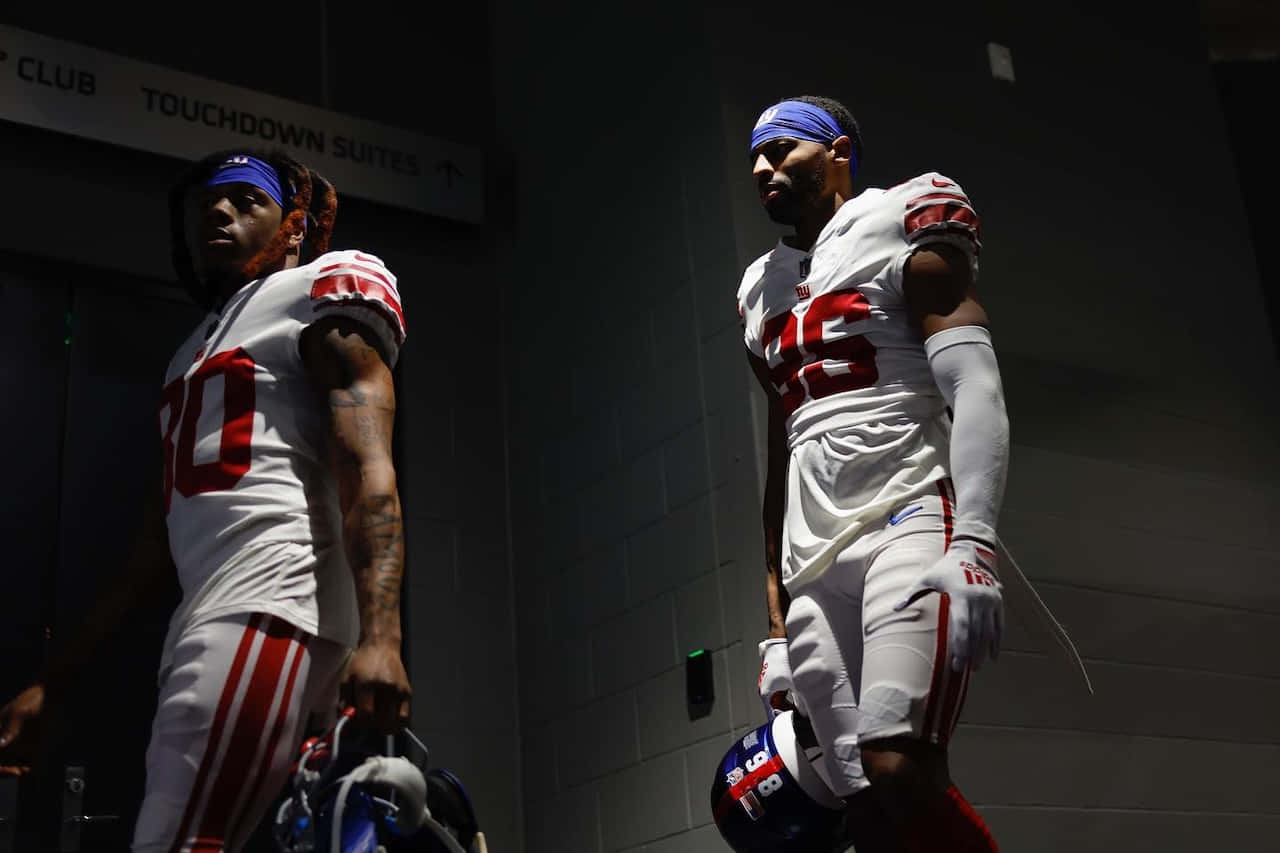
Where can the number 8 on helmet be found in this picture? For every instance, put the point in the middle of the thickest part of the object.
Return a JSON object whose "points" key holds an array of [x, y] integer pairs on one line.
{"points": [[767, 795]]}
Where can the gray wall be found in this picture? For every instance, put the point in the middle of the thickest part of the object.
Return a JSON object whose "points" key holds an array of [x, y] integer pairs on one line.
{"points": [[104, 207], [632, 479], [1137, 362]]}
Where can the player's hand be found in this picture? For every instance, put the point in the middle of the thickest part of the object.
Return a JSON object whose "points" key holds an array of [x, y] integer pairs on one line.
{"points": [[966, 574], [775, 677], [377, 686], [20, 731]]}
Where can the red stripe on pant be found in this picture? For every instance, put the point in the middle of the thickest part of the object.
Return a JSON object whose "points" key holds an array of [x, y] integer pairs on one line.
{"points": [[957, 706], [251, 722], [949, 706], [273, 741], [947, 823], [215, 731], [947, 688], [941, 669], [216, 844]]}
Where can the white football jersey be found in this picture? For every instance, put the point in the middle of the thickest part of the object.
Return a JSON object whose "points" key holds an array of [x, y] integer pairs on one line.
{"points": [[866, 424], [253, 514]]}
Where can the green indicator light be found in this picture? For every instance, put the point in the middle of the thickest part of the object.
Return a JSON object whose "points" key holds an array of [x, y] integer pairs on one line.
{"points": [[67, 341], [698, 652]]}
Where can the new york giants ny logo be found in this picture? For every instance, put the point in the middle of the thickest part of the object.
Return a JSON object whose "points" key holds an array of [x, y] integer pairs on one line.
{"points": [[767, 116], [802, 291]]}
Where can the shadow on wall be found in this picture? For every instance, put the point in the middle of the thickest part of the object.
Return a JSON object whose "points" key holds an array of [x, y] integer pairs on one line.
{"points": [[1243, 86]]}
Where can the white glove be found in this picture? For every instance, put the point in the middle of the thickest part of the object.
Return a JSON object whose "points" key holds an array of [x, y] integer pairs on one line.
{"points": [[775, 674], [966, 574]]}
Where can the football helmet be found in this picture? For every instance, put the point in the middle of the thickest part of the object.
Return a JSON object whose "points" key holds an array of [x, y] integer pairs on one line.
{"points": [[767, 794], [346, 798]]}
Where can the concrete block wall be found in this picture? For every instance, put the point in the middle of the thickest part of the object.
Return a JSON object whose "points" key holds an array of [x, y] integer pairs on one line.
{"points": [[628, 544], [459, 633], [633, 482]]}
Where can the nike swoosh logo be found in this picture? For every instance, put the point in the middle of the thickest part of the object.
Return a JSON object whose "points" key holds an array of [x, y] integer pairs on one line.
{"points": [[894, 519], [938, 183]]}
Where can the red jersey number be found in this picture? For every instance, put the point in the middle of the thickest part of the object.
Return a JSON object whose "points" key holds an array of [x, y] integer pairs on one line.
{"points": [[812, 367], [184, 399]]}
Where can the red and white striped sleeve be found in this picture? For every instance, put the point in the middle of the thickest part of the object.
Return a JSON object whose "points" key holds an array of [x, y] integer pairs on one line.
{"points": [[936, 210], [357, 285]]}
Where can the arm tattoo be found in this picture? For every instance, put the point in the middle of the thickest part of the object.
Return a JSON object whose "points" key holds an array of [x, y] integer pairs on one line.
{"points": [[361, 421], [347, 398], [361, 406], [379, 542]]}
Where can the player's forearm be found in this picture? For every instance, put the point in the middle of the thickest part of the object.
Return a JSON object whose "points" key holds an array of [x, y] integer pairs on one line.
{"points": [[362, 410], [774, 505], [776, 597], [979, 461], [778, 601], [373, 535], [964, 365]]}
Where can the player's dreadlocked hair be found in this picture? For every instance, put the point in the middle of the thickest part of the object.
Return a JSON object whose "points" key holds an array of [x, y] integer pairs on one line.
{"points": [[843, 117], [314, 206]]}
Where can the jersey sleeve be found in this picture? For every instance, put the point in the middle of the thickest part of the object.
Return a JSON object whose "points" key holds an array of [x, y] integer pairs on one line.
{"points": [[936, 210], [749, 335], [924, 211], [749, 292], [356, 285]]}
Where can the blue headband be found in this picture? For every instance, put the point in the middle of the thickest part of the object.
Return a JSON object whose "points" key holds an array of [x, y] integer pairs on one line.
{"points": [[249, 170], [799, 121]]}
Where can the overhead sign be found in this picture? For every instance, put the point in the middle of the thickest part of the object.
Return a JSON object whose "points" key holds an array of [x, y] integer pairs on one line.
{"points": [[78, 90]]}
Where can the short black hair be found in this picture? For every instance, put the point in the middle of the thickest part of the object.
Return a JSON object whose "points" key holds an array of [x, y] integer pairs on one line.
{"points": [[311, 208], [844, 119]]}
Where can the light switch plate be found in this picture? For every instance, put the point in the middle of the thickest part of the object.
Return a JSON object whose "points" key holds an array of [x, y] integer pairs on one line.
{"points": [[1001, 61]]}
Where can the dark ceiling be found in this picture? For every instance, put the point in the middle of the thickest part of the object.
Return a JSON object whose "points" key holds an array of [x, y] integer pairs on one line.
{"points": [[1242, 29]]}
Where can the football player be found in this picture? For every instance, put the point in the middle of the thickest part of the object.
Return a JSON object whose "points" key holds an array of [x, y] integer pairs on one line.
{"points": [[278, 505], [887, 450]]}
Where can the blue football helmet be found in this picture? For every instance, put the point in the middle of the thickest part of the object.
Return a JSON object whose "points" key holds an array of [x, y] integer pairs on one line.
{"points": [[345, 798], [768, 798]]}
